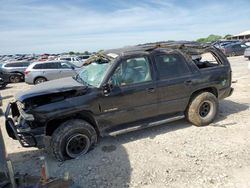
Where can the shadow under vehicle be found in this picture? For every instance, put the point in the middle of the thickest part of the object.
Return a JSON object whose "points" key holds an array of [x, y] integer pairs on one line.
{"points": [[118, 91]]}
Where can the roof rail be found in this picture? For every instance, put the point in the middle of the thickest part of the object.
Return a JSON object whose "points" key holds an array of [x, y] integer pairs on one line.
{"points": [[173, 44]]}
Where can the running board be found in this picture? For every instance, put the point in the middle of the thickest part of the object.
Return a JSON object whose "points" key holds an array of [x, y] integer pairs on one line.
{"points": [[144, 126]]}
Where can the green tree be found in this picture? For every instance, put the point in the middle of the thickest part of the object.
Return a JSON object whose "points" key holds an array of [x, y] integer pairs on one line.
{"points": [[71, 53], [210, 38], [227, 36]]}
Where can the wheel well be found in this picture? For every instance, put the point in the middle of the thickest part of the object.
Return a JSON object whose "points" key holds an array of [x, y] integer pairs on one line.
{"points": [[212, 90], [18, 72], [39, 77], [54, 124]]}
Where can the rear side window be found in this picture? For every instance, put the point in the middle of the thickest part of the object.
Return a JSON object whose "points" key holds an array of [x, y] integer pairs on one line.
{"points": [[52, 65], [207, 60], [171, 65], [26, 64], [39, 66], [13, 65], [47, 66]]}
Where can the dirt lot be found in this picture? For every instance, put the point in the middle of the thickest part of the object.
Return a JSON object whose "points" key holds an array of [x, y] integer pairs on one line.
{"points": [[172, 155]]}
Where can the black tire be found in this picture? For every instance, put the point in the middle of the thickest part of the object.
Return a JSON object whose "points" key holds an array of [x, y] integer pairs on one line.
{"points": [[202, 109], [248, 58], [40, 80], [2, 86], [15, 78], [72, 139]]}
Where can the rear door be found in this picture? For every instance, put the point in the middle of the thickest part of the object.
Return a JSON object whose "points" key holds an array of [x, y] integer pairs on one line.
{"points": [[173, 82], [51, 70]]}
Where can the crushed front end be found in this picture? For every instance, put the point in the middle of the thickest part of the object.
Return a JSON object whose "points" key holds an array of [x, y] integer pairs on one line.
{"points": [[20, 126]]}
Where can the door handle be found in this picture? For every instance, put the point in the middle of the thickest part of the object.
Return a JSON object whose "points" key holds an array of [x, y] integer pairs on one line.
{"points": [[151, 90], [188, 82]]}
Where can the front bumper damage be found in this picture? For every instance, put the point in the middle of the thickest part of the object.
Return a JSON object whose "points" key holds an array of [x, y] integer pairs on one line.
{"points": [[18, 128]]}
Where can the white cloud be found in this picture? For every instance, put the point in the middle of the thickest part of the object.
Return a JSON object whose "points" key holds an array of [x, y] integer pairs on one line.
{"points": [[28, 28]]}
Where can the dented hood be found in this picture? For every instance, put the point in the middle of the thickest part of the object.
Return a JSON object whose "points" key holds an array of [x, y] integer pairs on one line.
{"points": [[54, 86]]}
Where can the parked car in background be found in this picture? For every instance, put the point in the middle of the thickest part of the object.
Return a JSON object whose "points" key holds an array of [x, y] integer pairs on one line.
{"points": [[74, 60], [234, 49], [221, 44], [247, 53], [5, 78], [18, 68], [39, 72]]}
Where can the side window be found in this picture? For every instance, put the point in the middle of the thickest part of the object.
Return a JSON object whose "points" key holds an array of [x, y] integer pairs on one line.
{"points": [[207, 60], [132, 71], [39, 66], [52, 65], [65, 66], [171, 65], [25, 64]]}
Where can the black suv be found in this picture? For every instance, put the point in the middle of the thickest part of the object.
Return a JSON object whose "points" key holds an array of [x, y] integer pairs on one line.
{"points": [[118, 91]]}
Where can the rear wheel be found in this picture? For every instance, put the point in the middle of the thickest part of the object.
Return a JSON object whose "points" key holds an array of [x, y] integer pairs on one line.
{"points": [[72, 139], [202, 109], [15, 78], [40, 80]]}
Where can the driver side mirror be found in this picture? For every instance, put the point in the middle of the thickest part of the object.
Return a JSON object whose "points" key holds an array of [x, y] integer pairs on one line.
{"points": [[107, 88]]}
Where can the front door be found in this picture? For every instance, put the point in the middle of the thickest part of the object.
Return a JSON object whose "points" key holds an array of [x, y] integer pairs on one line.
{"points": [[133, 96]]}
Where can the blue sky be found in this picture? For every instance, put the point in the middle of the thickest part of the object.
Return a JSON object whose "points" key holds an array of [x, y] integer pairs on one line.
{"points": [[39, 26]]}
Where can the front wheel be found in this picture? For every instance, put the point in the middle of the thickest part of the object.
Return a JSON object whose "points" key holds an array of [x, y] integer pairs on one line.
{"points": [[72, 139], [202, 109]]}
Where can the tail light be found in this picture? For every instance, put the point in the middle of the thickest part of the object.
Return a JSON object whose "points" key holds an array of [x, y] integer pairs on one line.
{"points": [[26, 72]]}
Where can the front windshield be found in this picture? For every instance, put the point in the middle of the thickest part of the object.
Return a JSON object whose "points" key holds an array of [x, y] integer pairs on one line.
{"points": [[93, 73]]}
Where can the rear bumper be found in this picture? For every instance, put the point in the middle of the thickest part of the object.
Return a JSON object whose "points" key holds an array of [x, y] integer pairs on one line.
{"points": [[29, 79], [14, 128], [225, 93]]}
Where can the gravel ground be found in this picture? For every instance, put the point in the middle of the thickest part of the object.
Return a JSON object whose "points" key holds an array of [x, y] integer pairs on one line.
{"points": [[172, 155]]}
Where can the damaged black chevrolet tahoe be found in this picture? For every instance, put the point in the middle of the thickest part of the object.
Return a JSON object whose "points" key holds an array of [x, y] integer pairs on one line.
{"points": [[119, 91]]}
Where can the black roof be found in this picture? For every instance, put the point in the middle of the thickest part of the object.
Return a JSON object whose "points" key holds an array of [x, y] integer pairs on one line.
{"points": [[182, 45]]}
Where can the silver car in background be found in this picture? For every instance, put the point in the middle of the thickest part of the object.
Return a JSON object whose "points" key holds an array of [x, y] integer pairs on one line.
{"points": [[39, 72], [247, 53], [17, 67]]}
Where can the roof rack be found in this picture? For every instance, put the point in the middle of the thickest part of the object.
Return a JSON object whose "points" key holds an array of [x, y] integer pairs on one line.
{"points": [[173, 44]]}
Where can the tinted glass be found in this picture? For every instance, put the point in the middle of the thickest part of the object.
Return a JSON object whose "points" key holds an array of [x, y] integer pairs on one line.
{"points": [[66, 59], [13, 65], [39, 66], [52, 65], [26, 64], [170, 65]]}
